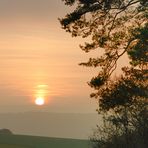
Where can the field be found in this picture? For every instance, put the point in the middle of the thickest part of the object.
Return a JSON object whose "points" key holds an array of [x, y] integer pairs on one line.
{"points": [[11, 146], [19, 141]]}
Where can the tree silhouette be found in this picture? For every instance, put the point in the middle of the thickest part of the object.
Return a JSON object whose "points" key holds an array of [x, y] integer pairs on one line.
{"points": [[116, 27]]}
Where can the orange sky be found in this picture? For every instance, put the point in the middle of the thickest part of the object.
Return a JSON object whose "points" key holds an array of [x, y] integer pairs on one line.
{"points": [[34, 52]]}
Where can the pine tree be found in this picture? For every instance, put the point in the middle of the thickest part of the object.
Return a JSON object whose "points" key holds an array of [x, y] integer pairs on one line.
{"points": [[116, 27]]}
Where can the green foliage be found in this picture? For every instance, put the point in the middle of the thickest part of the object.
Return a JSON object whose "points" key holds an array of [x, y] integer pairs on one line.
{"points": [[116, 27], [109, 24], [124, 91], [69, 2], [127, 129], [139, 51], [96, 82]]}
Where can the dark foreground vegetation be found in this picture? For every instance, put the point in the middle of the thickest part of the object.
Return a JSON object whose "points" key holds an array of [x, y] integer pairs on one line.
{"points": [[117, 30]]}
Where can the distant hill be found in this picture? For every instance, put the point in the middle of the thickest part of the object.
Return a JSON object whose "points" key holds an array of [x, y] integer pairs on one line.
{"points": [[5, 131], [64, 125], [19, 141]]}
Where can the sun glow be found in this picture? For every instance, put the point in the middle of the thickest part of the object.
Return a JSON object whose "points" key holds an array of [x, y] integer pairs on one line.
{"points": [[39, 101], [41, 92]]}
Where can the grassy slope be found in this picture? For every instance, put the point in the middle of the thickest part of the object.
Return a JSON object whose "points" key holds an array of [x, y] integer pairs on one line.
{"points": [[17, 141], [11, 146]]}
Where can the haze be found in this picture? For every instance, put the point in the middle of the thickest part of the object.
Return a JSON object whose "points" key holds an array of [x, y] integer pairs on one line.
{"points": [[36, 52]]}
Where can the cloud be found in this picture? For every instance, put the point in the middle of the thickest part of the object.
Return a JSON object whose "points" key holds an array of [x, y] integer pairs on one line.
{"points": [[30, 8]]}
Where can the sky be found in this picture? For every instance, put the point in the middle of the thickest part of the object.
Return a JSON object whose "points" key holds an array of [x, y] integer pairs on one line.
{"points": [[38, 58]]}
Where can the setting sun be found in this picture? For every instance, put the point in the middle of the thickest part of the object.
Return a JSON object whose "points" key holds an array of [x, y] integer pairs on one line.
{"points": [[39, 101]]}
